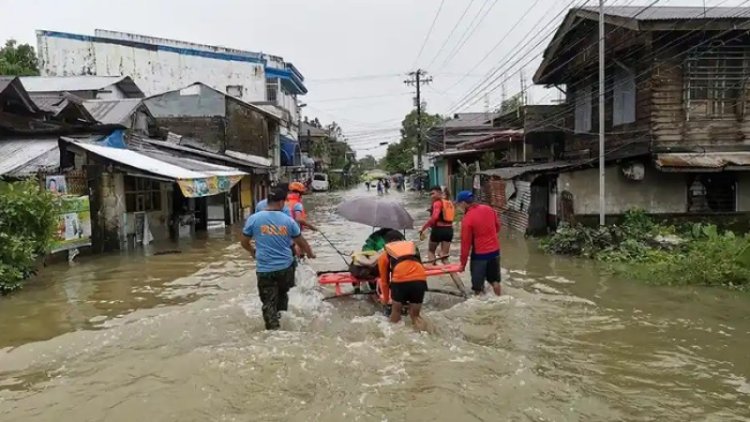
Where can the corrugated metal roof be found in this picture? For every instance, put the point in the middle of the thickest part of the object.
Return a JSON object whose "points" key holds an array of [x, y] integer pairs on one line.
{"points": [[712, 161], [5, 81], [470, 119], [80, 83], [23, 157], [642, 13], [515, 171], [116, 112], [176, 168], [237, 158]]}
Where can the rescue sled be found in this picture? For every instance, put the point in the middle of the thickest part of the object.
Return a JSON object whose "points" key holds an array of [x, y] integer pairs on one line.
{"points": [[339, 278]]}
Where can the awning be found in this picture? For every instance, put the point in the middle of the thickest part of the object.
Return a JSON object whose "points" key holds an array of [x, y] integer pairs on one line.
{"points": [[195, 178], [703, 162]]}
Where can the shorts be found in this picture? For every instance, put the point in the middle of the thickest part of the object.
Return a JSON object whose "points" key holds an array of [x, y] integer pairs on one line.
{"points": [[441, 234], [484, 270], [408, 291]]}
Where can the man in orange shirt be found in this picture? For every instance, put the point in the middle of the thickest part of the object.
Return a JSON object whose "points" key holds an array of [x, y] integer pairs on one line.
{"points": [[441, 222], [402, 277]]}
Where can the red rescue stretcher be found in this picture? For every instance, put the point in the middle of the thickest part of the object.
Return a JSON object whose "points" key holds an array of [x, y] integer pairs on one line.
{"points": [[338, 278]]}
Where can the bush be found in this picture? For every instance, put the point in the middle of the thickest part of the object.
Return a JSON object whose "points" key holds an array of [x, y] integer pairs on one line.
{"points": [[28, 216], [703, 256]]}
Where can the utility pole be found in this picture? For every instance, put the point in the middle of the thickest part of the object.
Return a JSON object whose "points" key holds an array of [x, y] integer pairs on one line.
{"points": [[602, 202], [417, 78]]}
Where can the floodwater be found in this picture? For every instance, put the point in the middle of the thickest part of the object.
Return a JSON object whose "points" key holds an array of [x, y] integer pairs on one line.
{"points": [[180, 338]]}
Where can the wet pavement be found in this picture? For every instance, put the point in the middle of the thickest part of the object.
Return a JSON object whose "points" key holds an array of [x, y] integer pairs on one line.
{"points": [[180, 337]]}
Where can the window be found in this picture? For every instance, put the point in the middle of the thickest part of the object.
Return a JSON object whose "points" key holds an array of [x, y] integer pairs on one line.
{"points": [[623, 97], [272, 90], [142, 194], [235, 90], [715, 192], [715, 76], [583, 110]]}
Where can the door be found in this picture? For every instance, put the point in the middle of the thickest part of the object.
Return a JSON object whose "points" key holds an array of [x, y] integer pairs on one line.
{"points": [[539, 206]]}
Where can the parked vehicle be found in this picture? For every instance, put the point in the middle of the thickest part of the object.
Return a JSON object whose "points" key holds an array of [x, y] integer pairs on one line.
{"points": [[320, 182]]}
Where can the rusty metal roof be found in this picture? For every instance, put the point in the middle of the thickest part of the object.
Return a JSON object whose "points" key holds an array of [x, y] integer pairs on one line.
{"points": [[708, 161], [673, 13], [515, 171]]}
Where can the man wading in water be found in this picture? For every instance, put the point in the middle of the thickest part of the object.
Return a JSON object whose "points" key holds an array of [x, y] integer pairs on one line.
{"points": [[273, 232], [480, 228]]}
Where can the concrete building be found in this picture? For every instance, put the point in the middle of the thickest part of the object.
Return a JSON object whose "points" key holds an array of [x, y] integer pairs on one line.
{"points": [[158, 65]]}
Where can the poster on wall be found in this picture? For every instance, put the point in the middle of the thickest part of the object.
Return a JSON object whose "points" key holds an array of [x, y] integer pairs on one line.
{"points": [[56, 184], [196, 188], [74, 224]]}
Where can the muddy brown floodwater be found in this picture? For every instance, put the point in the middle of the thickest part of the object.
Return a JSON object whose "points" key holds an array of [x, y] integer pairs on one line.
{"points": [[180, 338]]}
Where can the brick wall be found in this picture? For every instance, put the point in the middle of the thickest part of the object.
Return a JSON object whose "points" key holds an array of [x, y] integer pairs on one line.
{"points": [[247, 130], [207, 130]]}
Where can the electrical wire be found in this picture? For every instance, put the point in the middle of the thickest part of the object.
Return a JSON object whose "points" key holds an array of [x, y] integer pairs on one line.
{"points": [[429, 32], [460, 19], [470, 30]]}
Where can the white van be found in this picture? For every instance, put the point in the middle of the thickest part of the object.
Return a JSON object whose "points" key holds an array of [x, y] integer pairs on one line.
{"points": [[320, 182]]}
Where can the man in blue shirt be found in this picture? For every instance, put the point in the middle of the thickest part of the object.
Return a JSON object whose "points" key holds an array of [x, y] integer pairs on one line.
{"points": [[273, 232]]}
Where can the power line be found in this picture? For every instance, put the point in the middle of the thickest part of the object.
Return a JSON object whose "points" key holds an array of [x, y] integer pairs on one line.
{"points": [[354, 78], [516, 51], [429, 32], [365, 97], [460, 19], [502, 38], [465, 38]]}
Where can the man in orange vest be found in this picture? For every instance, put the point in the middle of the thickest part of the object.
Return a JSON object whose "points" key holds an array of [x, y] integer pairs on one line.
{"points": [[441, 222], [402, 278], [294, 203]]}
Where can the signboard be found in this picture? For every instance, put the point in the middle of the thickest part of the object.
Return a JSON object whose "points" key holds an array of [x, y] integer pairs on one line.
{"points": [[56, 185], [196, 188], [74, 224]]}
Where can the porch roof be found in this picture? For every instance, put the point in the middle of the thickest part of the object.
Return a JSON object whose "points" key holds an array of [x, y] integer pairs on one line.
{"points": [[703, 162], [170, 167]]}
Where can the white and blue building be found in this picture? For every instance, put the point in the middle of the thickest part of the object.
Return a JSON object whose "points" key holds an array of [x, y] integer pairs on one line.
{"points": [[158, 65]]}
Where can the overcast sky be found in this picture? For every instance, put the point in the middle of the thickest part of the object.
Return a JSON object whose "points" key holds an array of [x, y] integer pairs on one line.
{"points": [[354, 54]]}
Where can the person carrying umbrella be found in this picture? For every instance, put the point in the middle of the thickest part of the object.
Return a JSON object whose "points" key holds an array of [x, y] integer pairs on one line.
{"points": [[479, 235]]}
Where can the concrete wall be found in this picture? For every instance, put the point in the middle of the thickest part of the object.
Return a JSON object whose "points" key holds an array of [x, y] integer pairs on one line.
{"points": [[658, 192], [155, 70], [192, 101]]}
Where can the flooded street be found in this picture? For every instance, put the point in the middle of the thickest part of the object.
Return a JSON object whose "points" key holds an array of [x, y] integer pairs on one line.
{"points": [[180, 337]]}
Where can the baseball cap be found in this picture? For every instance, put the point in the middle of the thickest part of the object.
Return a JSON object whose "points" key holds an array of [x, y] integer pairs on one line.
{"points": [[465, 196]]}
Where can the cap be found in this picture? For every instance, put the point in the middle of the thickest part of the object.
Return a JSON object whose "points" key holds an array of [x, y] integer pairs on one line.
{"points": [[465, 196]]}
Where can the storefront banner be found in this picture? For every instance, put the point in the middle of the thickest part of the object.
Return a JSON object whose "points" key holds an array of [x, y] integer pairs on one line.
{"points": [[74, 224], [196, 188]]}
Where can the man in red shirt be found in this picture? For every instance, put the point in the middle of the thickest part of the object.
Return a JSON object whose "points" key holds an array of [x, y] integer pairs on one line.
{"points": [[441, 222], [480, 228]]}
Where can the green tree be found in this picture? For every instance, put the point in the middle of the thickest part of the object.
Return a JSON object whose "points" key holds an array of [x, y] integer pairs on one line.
{"points": [[512, 104], [368, 162], [28, 217], [399, 157], [18, 60]]}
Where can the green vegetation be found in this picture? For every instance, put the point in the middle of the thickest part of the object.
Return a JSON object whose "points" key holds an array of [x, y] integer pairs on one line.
{"points": [[697, 254], [28, 218], [18, 60], [400, 156]]}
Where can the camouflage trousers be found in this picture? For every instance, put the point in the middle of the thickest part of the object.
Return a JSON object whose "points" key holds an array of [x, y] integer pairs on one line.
{"points": [[273, 288]]}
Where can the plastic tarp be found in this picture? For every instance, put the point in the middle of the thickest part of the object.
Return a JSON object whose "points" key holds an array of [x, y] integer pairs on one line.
{"points": [[289, 151], [195, 179]]}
